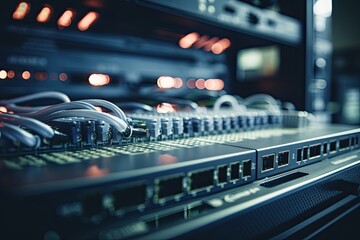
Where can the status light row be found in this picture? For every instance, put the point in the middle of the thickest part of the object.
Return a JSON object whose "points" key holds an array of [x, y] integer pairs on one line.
{"points": [[26, 75], [166, 82], [65, 20]]}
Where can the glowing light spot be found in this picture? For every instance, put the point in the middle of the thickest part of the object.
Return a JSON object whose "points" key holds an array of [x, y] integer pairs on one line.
{"points": [[44, 15], [166, 82], [190, 83], [3, 74], [21, 11], [188, 40], [98, 80], [26, 75], [220, 46], [217, 48], [200, 83], [11, 74], [3, 109], [86, 22], [99, 109], [63, 77], [165, 108], [165, 159], [95, 171], [178, 82], [323, 8], [214, 84], [65, 19]]}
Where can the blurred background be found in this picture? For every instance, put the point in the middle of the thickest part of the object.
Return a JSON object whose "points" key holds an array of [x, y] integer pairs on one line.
{"points": [[305, 53], [346, 65]]}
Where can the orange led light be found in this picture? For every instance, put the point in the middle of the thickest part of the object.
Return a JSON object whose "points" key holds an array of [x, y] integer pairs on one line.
{"points": [[165, 108], [3, 109], [98, 80], [220, 46], [11, 74], [44, 15], [65, 19], [178, 83], [86, 22], [188, 40], [26, 75], [200, 83], [21, 11], [214, 84], [99, 109]]}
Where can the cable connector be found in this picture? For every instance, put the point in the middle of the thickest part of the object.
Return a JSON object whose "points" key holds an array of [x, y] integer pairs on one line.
{"points": [[131, 132]]}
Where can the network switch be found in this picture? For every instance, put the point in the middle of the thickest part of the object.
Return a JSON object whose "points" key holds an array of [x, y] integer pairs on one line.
{"points": [[287, 149]]}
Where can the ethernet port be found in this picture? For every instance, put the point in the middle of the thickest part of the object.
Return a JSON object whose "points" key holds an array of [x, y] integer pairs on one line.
{"points": [[234, 171], [268, 162], [201, 179], [283, 158], [298, 156], [315, 151], [222, 174], [344, 144], [169, 186], [129, 196], [333, 147], [246, 168], [325, 148], [305, 153]]}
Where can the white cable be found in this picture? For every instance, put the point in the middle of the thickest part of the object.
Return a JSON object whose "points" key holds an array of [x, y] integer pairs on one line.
{"points": [[262, 98], [228, 99], [60, 107], [50, 94], [23, 109], [116, 122], [106, 104], [15, 133], [39, 127]]}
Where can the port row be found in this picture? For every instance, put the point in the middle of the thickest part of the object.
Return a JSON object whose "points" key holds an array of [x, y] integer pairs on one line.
{"points": [[308, 152], [171, 187]]}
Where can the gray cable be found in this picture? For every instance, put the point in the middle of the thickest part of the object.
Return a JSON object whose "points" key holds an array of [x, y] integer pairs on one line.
{"points": [[15, 133], [60, 107], [106, 104], [262, 98], [116, 122], [39, 127], [228, 99], [50, 94], [23, 109]]}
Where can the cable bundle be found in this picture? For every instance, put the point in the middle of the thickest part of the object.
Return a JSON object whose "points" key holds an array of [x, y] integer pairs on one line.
{"points": [[27, 125]]}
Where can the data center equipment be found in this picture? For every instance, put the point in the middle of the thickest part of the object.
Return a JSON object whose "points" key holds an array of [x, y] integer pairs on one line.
{"points": [[147, 119], [92, 171], [127, 46]]}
